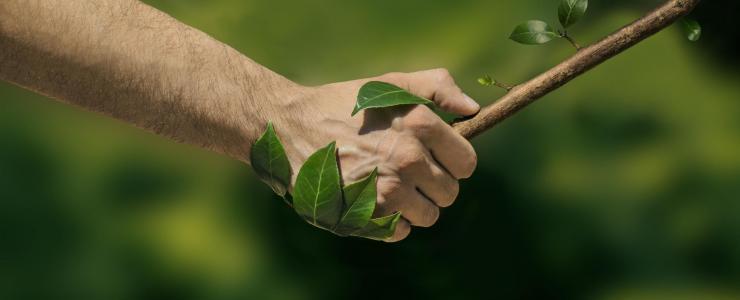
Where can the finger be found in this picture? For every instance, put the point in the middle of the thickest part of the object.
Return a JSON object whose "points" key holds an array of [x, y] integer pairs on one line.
{"points": [[403, 228], [438, 86], [419, 210], [414, 207], [453, 152], [435, 183], [450, 97], [388, 189]]}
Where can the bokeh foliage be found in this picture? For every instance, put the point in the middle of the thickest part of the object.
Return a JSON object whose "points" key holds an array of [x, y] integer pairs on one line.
{"points": [[623, 184]]}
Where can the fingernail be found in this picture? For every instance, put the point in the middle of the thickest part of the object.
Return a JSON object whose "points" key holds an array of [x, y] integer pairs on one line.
{"points": [[472, 102]]}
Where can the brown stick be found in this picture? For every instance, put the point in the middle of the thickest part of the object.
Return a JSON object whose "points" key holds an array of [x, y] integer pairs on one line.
{"points": [[585, 59]]}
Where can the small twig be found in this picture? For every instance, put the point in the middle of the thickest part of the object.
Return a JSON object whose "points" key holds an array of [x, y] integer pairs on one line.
{"points": [[587, 58], [503, 85], [570, 39]]}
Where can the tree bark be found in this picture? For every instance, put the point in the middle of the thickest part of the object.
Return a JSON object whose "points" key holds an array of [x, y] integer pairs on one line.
{"points": [[585, 59]]}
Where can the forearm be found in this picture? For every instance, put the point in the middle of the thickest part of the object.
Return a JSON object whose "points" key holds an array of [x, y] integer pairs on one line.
{"points": [[125, 59]]}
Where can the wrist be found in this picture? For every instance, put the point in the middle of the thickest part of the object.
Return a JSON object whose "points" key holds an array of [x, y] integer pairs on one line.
{"points": [[262, 96], [228, 100]]}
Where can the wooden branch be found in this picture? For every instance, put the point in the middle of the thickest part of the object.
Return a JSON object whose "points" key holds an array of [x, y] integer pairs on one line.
{"points": [[585, 59]]}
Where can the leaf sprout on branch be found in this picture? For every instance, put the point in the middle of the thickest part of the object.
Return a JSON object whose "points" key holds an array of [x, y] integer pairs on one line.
{"points": [[537, 32]]}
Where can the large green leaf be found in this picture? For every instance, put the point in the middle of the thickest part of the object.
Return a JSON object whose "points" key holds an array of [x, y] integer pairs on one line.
{"points": [[533, 32], [691, 28], [359, 204], [376, 94], [379, 228], [317, 195], [270, 162], [570, 11]]}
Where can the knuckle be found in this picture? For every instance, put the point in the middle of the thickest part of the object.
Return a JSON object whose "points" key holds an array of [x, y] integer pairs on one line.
{"points": [[388, 188], [410, 158], [442, 72], [457, 91], [443, 75], [448, 103]]}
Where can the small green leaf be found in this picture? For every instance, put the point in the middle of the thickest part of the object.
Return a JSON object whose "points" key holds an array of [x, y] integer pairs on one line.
{"points": [[270, 162], [691, 28], [379, 228], [486, 80], [317, 195], [376, 94], [359, 204], [533, 32], [570, 11]]}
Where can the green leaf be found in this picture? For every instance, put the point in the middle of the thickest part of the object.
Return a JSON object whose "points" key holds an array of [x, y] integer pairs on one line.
{"points": [[270, 162], [570, 11], [359, 204], [379, 228], [317, 194], [486, 80], [376, 94], [533, 32], [691, 28]]}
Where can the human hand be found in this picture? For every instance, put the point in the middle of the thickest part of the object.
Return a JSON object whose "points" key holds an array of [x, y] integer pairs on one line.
{"points": [[419, 158]]}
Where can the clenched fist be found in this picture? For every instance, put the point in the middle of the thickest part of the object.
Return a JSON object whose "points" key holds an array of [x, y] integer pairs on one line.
{"points": [[419, 157]]}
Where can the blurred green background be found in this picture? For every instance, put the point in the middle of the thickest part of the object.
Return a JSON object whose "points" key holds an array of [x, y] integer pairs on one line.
{"points": [[625, 184]]}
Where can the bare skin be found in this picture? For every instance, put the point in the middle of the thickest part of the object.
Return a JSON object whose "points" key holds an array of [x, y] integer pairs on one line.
{"points": [[134, 63]]}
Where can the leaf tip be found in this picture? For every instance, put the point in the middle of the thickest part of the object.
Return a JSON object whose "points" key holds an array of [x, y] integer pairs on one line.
{"points": [[269, 161], [332, 147]]}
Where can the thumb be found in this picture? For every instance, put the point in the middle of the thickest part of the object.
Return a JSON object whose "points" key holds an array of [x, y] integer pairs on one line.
{"points": [[439, 86], [453, 100]]}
